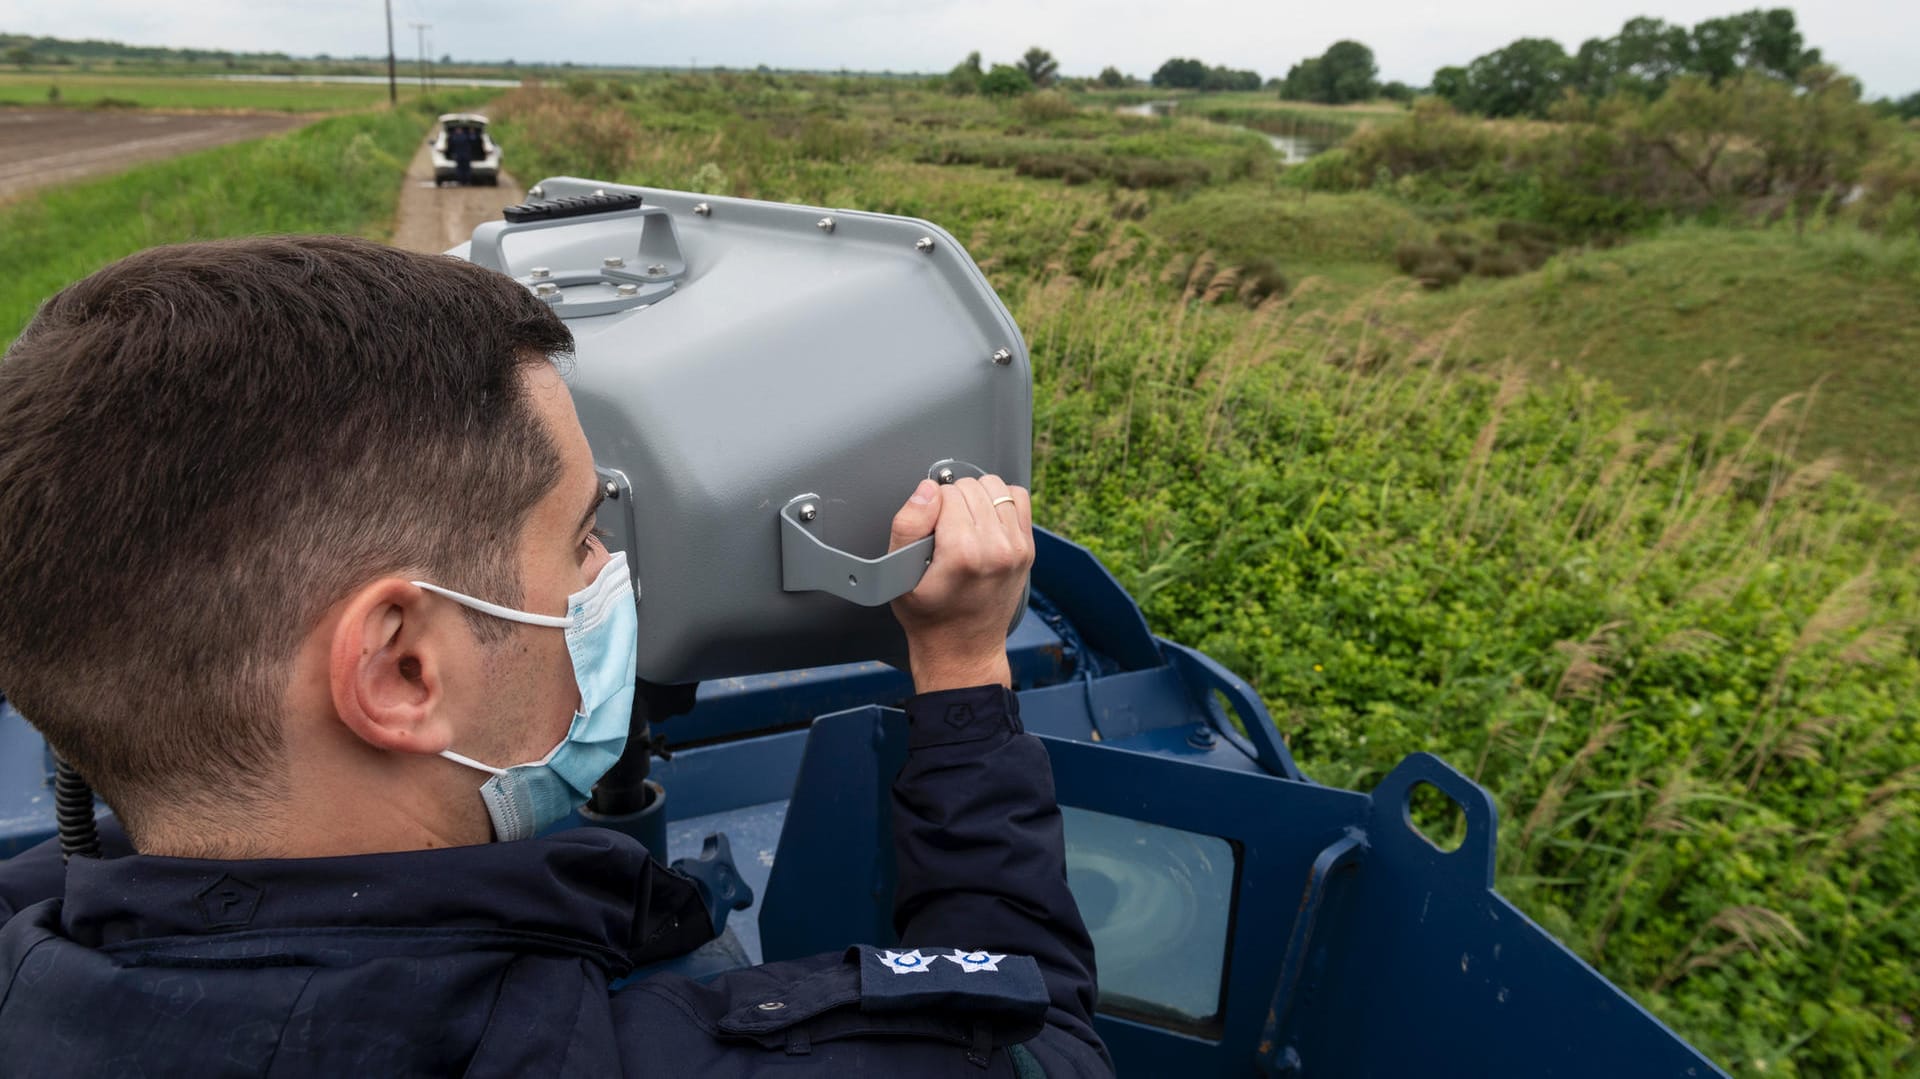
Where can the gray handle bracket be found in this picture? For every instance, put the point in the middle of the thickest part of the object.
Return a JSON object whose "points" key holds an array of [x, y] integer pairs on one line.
{"points": [[809, 564]]}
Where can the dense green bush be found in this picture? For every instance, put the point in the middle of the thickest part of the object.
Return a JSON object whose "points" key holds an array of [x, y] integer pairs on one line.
{"points": [[1687, 667]]}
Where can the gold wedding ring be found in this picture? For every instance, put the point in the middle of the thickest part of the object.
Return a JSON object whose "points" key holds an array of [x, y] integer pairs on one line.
{"points": [[1002, 498]]}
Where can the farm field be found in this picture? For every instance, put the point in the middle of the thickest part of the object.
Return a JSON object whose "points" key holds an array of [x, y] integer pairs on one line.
{"points": [[187, 92], [53, 146]]}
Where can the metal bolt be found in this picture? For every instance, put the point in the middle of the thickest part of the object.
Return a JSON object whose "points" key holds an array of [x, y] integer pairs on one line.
{"points": [[924, 245], [549, 292], [656, 270], [600, 192], [540, 273], [1002, 357], [628, 289], [536, 192], [613, 262], [772, 1006], [825, 224], [809, 511], [1201, 738], [613, 489], [703, 210], [945, 475]]}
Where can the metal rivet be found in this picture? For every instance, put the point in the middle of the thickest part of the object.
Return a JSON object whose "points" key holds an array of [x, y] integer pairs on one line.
{"points": [[613, 262], [600, 191], [536, 192], [825, 224], [1002, 357], [924, 245], [539, 273], [809, 511], [772, 1006], [703, 210], [656, 270], [613, 489], [945, 475], [628, 289]]}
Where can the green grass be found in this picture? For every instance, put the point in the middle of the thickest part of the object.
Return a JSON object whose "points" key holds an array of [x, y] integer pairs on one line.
{"points": [[1834, 314], [340, 174], [186, 92]]}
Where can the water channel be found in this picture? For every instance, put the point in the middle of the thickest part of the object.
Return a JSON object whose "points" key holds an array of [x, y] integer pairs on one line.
{"points": [[1293, 148]]}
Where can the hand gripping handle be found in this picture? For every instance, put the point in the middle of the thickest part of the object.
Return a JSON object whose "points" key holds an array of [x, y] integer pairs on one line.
{"points": [[810, 564]]}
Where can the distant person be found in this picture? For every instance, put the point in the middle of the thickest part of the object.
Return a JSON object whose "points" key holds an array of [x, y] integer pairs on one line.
{"points": [[299, 570], [462, 144]]}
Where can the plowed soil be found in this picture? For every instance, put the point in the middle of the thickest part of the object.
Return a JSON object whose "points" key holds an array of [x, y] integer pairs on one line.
{"points": [[49, 146]]}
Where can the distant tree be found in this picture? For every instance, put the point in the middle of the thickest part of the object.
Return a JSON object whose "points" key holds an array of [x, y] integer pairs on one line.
{"points": [[1349, 72], [1397, 91], [1523, 79], [1346, 72], [1225, 78], [1040, 66], [1907, 108], [20, 56], [1111, 78], [1005, 81], [1303, 81], [966, 75], [1178, 74]]}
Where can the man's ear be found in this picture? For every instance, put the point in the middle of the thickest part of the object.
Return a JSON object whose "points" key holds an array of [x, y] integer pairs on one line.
{"points": [[385, 669]]}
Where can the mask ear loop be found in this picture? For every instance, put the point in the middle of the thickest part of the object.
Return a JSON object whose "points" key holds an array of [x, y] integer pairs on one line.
{"points": [[494, 609], [471, 763]]}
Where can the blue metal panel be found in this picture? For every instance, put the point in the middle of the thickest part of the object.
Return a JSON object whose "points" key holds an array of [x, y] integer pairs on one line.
{"points": [[730, 707], [1347, 924], [26, 784], [1102, 612], [832, 879]]}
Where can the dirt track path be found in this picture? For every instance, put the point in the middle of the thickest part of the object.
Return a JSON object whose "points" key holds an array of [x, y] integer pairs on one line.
{"points": [[49, 146], [431, 218]]}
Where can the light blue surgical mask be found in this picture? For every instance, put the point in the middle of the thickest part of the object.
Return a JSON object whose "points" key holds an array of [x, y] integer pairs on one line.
{"points": [[603, 635]]}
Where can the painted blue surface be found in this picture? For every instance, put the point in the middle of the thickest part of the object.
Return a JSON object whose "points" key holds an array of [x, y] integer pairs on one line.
{"points": [[1352, 945]]}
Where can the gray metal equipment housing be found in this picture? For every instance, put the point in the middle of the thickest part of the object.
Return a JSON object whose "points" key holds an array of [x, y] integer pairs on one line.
{"points": [[763, 386]]}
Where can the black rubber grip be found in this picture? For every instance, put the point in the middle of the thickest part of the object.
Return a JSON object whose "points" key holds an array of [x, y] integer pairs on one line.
{"points": [[572, 206]]}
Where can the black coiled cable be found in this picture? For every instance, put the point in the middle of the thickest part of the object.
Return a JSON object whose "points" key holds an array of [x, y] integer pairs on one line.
{"points": [[73, 810]]}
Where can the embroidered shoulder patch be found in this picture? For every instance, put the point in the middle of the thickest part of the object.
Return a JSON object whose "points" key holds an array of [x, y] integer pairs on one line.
{"points": [[953, 980]]}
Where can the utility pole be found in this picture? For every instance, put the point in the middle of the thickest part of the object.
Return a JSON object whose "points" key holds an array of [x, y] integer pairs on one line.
{"points": [[393, 83], [421, 29]]}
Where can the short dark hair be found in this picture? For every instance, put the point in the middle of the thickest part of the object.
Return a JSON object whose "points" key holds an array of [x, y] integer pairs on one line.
{"points": [[205, 446]]}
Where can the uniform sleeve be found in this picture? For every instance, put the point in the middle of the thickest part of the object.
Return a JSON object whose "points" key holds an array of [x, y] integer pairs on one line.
{"points": [[980, 854]]}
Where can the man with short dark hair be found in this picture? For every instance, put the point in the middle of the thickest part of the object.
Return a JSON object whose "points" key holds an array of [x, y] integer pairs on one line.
{"points": [[296, 561]]}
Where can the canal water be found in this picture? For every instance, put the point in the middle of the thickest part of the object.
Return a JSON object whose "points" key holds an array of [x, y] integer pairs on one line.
{"points": [[1293, 148]]}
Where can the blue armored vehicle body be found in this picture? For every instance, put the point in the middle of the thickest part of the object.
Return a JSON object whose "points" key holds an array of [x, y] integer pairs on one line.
{"points": [[1246, 919]]}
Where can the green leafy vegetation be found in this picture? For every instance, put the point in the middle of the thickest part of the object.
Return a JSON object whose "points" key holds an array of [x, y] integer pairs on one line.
{"points": [[1680, 646], [339, 175]]}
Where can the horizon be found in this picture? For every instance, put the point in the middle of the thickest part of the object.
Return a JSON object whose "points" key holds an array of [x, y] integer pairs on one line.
{"points": [[1863, 38]]}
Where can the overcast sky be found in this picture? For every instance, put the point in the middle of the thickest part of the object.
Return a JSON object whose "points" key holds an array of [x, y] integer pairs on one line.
{"points": [[1876, 40]]}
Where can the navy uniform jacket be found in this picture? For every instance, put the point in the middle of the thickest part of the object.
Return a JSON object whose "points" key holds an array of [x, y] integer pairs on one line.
{"points": [[497, 959]]}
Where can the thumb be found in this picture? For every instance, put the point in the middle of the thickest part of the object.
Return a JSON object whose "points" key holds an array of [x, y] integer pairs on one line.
{"points": [[916, 519]]}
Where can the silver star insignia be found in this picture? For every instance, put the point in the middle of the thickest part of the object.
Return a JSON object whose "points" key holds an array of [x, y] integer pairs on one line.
{"points": [[905, 962], [972, 961]]}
